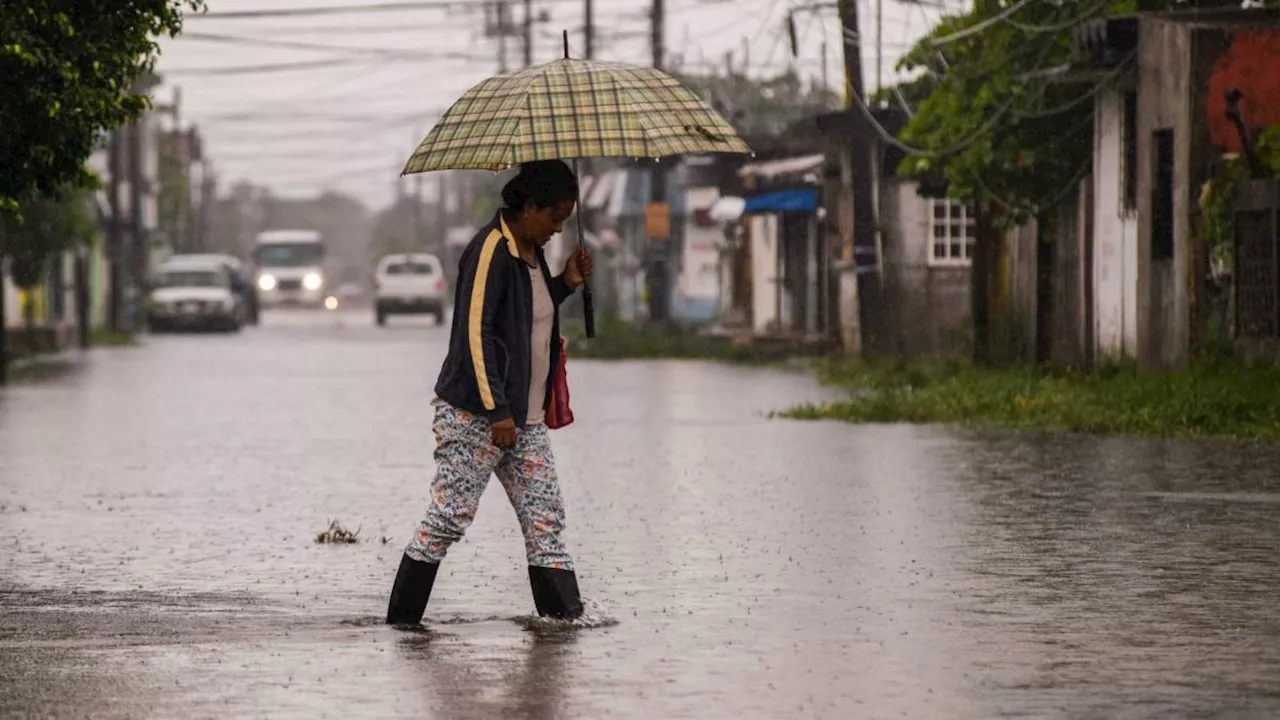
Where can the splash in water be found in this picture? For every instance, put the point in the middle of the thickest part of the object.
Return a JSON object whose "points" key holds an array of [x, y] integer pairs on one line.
{"points": [[594, 615]]}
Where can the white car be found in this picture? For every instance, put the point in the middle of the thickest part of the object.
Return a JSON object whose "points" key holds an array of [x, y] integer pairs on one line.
{"points": [[189, 294], [245, 287], [409, 284]]}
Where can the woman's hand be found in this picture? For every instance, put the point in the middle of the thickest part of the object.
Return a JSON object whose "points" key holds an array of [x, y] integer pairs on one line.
{"points": [[578, 268], [504, 433]]}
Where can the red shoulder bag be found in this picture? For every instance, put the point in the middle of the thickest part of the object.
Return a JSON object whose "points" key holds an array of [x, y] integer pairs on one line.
{"points": [[559, 414]]}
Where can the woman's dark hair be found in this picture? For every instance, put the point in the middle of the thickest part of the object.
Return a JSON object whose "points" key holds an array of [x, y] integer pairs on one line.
{"points": [[545, 183]]}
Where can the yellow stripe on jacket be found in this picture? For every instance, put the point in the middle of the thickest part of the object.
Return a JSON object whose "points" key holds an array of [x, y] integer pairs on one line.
{"points": [[475, 317]]}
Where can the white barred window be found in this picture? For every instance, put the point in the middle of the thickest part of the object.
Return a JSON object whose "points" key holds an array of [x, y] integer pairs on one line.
{"points": [[951, 233]]}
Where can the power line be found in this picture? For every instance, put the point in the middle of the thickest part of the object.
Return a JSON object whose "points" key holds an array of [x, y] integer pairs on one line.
{"points": [[259, 69], [346, 28], [1059, 27], [1120, 69], [384, 52], [979, 27], [349, 9], [960, 146], [295, 116]]}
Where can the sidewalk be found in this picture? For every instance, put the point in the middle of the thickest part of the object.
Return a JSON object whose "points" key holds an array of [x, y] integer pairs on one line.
{"points": [[42, 352]]}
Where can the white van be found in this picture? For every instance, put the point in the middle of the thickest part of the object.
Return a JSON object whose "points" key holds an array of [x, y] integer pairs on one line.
{"points": [[409, 284]]}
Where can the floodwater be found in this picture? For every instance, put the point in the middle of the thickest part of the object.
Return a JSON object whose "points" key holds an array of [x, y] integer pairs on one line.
{"points": [[158, 508]]}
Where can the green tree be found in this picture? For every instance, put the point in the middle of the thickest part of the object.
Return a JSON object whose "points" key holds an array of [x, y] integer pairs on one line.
{"points": [[67, 75], [41, 228], [34, 233]]}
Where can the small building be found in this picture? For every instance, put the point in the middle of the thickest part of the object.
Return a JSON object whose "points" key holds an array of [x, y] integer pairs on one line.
{"points": [[1160, 132], [790, 267], [914, 282]]}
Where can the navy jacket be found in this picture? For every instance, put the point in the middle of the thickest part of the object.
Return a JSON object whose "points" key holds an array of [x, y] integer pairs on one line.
{"points": [[487, 369]]}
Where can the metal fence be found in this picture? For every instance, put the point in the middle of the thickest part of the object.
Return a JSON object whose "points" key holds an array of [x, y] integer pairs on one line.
{"points": [[1257, 259]]}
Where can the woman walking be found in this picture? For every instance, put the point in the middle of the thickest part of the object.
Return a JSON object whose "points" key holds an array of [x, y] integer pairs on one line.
{"points": [[492, 395]]}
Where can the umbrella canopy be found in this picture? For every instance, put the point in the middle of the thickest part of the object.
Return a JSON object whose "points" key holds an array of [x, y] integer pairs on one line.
{"points": [[570, 109]]}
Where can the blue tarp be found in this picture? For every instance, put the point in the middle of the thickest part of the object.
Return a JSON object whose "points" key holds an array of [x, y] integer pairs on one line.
{"points": [[799, 200]]}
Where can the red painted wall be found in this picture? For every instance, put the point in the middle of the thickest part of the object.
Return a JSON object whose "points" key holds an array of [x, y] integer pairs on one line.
{"points": [[1251, 64]]}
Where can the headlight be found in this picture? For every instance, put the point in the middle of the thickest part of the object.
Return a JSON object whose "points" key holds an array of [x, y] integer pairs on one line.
{"points": [[267, 282], [312, 281]]}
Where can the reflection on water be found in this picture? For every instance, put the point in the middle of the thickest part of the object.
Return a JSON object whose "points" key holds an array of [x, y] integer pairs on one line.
{"points": [[492, 677], [157, 511]]}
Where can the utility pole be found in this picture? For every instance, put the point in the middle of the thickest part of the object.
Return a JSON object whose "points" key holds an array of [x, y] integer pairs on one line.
{"points": [[589, 29], [138, 250], [659, 249], [4, 324], [861, 180], [115, 232], [503, 28], [879, 42], [826, 80], [528, 33], [416, 239]]}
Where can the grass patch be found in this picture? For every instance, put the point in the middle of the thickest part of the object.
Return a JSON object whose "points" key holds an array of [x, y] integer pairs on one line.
{"points": [[108, 338], [619, 340], [1220, 399], [39, 369], [336, 534]]}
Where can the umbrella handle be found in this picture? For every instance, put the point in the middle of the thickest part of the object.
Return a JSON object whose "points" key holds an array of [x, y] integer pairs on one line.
{"points": [[588, 305], [588, 310]]}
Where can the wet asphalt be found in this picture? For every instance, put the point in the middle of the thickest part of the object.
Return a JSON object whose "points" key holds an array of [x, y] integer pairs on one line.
{"points": [[159, 504]]}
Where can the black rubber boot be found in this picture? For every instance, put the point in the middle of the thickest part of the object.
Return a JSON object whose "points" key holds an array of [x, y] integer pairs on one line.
{"points": [[412, 590], [555, 593]]}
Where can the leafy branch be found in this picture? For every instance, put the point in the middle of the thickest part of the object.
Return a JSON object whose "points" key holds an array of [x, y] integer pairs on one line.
{"points": [[69, 71]]}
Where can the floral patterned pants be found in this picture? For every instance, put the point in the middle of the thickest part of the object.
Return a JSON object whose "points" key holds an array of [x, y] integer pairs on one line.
{"points": [[465, 458]]}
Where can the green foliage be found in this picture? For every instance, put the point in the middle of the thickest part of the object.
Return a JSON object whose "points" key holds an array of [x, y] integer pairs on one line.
{"points": [[42, 227], [994, 115], [1226, 398], [1217, 200], [1005, 138], [67, 74]]}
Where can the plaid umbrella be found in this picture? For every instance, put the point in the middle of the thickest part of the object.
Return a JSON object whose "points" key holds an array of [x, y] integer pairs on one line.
{"points": [[570, 109]]}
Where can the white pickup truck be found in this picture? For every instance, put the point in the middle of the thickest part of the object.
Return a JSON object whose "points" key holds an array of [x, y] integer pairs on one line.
{"points": [[409, 284]]}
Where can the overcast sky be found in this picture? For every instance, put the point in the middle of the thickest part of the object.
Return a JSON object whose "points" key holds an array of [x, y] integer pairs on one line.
{"points": [[349, 119]]}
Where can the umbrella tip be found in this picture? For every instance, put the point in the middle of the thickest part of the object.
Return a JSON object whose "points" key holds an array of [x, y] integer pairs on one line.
{"points": [[566, 44]]}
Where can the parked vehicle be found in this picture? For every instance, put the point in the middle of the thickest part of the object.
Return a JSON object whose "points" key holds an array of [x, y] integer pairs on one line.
{"points": [[246, 287], [291, 268], [409, 284], [195, 294]]}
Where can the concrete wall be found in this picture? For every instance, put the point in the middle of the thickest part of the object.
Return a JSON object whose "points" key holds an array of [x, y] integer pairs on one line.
{"points": [[1115, 236], [1014, 319], [12, 306], [765, 235], [697, 286], [1164, 91], [926, 308], [1067, 343]]}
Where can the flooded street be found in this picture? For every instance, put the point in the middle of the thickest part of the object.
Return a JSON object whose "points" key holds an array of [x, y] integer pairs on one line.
{"points": [[159, 505]]}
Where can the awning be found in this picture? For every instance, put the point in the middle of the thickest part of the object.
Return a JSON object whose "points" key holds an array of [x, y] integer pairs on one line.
{"points": [[785, 166], [799, 200], [727, 209]]}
